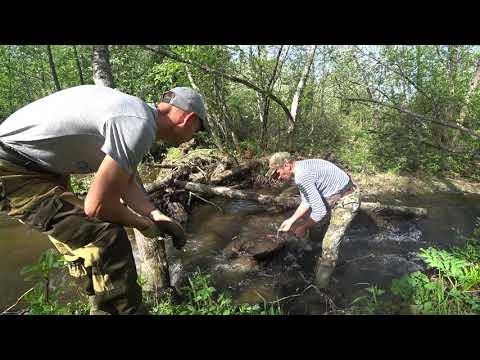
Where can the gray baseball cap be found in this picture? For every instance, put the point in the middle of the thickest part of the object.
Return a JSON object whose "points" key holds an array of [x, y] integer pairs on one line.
{"points": [[189, 100], [277, 160]]}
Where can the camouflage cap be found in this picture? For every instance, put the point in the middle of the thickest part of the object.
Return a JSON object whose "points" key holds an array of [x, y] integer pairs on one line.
{"points": [[277, 160]]}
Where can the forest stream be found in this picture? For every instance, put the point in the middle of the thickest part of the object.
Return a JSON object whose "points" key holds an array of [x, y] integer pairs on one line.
{"points": [[375, 250]]}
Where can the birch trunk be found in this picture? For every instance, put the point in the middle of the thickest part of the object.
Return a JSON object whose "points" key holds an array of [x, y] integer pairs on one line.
{"points": [[102, 72], [298, 93]]}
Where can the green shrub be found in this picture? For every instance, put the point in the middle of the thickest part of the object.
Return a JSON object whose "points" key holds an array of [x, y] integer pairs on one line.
{"points": [[202, 299], [43, 301]]}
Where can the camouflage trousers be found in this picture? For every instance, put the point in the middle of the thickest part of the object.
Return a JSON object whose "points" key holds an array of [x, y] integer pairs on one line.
{"points": [[342, 214], [98, 252]]}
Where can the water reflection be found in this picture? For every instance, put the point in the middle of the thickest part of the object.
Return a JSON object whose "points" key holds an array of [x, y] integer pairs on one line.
{"points": [[19, 246]]}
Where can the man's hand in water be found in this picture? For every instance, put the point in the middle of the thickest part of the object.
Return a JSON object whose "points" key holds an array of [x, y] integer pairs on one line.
{"points": [[286, 225], [162, 224]]}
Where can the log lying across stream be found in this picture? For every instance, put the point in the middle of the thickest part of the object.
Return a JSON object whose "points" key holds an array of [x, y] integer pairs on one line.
{"points": [[288, 203]]}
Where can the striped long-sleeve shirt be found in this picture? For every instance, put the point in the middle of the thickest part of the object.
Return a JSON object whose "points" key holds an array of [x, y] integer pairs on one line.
{"points": [[318, 179]]}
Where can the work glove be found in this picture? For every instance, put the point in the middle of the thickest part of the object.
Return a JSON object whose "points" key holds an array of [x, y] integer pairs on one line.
{"points": [[163, 224]]}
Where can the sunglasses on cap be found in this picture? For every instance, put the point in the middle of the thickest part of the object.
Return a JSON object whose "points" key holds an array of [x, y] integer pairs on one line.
{"points": [[168, 96]]}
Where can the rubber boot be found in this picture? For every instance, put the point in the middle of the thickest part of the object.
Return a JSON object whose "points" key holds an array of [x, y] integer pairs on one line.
{"points": [[323, 272]]}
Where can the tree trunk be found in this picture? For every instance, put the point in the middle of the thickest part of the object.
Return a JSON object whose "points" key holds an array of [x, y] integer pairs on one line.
{"points": [[79, 66], [216, 138], [263, 101], [471, 90], [52, 69], [289, 203], [154, 266], [11, 95], [154, 262], [298, 93], [102, 72], [227, 192]]}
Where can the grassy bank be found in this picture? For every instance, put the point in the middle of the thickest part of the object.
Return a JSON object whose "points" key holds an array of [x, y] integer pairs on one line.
{"points": [[199, 297]]}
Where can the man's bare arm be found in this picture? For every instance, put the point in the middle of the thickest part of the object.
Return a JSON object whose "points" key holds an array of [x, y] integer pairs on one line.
{"points": [[299, 213], [111, 183], [136, 199]]}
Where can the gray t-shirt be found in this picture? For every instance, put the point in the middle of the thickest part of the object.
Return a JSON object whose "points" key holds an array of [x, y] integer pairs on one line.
{"points": [[70, 131]]}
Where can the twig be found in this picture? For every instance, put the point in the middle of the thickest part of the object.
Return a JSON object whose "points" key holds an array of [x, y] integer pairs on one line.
{"points": [[295, 295], [18, 300], [208, 202], [164, 166], [355, 259], [203, 172]]}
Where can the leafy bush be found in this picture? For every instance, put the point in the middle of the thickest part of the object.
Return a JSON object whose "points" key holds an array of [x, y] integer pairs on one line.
{"points": [[43, 301], [203, 300], [80, 186]]}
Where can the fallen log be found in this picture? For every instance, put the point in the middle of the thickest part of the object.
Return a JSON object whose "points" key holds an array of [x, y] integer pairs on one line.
{"points": [[224, 175], [388, 210], [164, 166], [291, 202], [162, 183], [285, 203]]}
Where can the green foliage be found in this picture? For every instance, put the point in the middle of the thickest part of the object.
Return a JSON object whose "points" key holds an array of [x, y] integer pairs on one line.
{"points": [[80, 186], [173, 154], [48, 261], [432, 81], [38, 305], [44, 301], [25, 73], [251, 145], [202, 299]]}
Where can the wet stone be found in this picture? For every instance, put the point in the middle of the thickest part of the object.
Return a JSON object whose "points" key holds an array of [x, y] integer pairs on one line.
{"points": [[259, 241]]}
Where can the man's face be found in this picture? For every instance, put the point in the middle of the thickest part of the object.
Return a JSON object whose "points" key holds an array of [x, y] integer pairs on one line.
{"points": [[187, 124], [285, 171]]}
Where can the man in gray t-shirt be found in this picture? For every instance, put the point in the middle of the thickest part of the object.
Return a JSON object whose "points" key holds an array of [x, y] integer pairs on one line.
{"points": [[88, 129]]}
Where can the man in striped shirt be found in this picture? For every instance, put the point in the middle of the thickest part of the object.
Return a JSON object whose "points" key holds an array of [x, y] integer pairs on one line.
{"points": [[323, 187]]}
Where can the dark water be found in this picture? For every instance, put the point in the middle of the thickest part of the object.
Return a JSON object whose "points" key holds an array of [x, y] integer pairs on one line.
{"points": [[374, 251]]}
